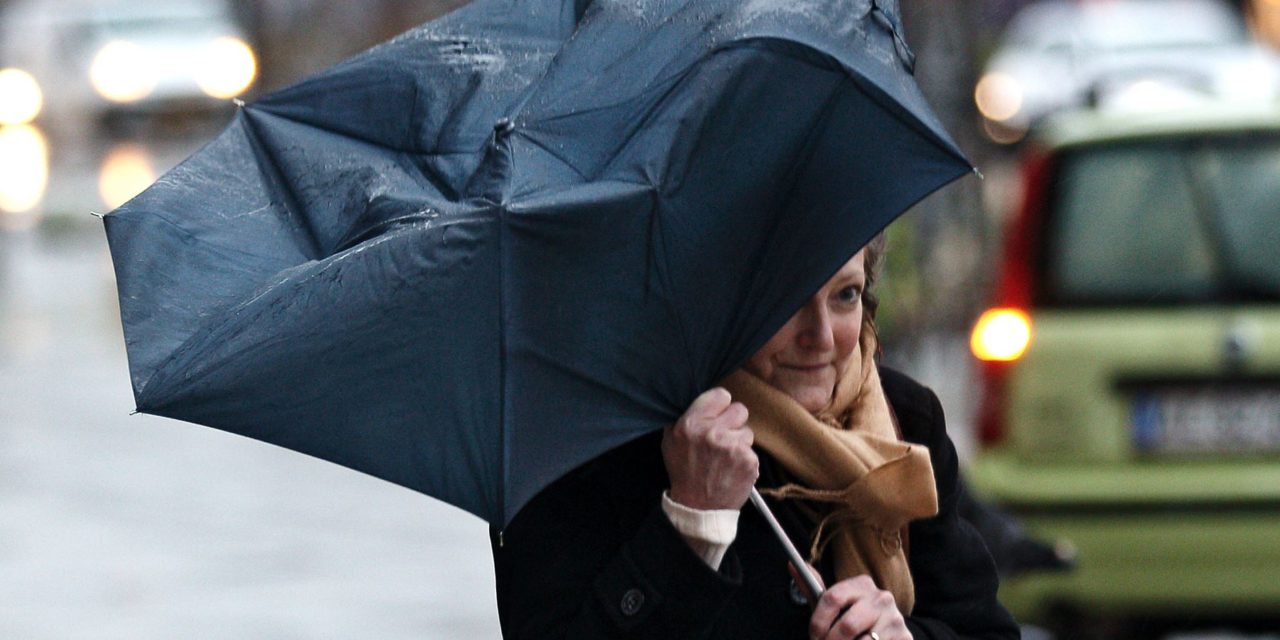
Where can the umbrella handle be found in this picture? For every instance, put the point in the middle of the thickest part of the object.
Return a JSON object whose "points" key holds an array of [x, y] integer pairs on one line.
{"points": [[802, 567]]}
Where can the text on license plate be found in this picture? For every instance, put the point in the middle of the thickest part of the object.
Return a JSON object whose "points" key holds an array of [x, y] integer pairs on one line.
{"points": [[1207, 420]]}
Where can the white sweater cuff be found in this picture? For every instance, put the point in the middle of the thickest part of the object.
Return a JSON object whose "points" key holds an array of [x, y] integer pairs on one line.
{"points": [[708, 532]]}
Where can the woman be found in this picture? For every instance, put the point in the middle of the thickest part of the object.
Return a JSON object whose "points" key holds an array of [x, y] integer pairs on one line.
{"points": [[651, 540]]}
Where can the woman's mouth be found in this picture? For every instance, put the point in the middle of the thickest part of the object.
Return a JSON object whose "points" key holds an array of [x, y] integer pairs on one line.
{"points": [[806, 368]]}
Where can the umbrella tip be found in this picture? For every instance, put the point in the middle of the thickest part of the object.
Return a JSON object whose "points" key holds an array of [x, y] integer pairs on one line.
{"points": [[978, 173], [97, 215], [238, 102]]}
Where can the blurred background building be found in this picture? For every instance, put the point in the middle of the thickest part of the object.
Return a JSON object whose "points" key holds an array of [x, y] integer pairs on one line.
{"points": [[140, 528]]}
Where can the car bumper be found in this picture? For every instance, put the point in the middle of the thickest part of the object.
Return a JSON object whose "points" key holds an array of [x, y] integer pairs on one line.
{"points": [[1193, 539]]}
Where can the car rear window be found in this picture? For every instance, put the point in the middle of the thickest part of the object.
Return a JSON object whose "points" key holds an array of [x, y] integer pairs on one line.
{"points": [[1166, 222]]}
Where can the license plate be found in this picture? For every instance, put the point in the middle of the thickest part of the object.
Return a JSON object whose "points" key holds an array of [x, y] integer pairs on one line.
{"points": [[1207, 420]]}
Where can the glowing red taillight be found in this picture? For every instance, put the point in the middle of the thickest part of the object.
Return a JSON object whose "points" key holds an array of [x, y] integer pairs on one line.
{"points": [[1004, 332]]}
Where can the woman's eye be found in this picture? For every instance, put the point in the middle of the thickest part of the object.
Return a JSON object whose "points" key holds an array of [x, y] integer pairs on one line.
{"points": [[849, 295]]}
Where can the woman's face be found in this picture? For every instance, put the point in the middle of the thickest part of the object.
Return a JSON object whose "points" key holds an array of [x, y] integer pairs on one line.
{"points": [[806, 357]]}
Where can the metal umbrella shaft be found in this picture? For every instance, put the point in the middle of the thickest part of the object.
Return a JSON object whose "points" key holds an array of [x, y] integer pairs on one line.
{"points": [[802, 567]]}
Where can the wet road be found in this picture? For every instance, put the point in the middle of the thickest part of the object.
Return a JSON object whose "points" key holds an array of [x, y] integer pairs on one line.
{"points": [[119, 526]]}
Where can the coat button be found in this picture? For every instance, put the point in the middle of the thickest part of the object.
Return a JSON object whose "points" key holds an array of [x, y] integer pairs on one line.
{"points": [[632, 600]]}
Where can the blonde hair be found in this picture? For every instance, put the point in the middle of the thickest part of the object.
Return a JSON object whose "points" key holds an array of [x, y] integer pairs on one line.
{"points": [[873, 260], [873, 256]]}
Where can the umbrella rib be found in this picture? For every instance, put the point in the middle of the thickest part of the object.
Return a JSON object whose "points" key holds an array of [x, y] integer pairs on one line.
{"points": [[276, 177], [807, 151], [659, 411], [454, 121], [557, 156], [317, 268], [504, 453], [665, 86], [662, 268], [432, 175], [578, 113], [879, 96], [266, 109]]}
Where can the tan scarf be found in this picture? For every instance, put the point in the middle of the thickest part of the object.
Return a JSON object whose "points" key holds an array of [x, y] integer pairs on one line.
{"points": [[848, 458]]}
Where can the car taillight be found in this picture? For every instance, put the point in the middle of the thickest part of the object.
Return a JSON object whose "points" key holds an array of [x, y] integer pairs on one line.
{"points": [[992, 403], [1003, 333], [999, 338]]}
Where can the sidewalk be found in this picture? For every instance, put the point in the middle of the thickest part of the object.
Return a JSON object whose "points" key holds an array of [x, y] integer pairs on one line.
{"points": [[119, 526]]}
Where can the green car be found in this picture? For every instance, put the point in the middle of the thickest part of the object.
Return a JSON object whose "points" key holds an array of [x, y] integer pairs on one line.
{"points": [[1130, 368]]}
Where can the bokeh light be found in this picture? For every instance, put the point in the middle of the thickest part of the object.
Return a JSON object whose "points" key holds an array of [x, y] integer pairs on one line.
{"points": [[24, 170], [126, 171], [1004, 132], [1001, 334], [227, 68], [122, 73], [20, 97], [998, 96]]}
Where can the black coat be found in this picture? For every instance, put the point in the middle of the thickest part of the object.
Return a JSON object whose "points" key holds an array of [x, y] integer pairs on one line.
{"points": [[594, 556]]}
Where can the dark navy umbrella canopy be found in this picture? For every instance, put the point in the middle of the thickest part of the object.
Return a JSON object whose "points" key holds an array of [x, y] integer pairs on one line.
{"points": [[475, 257]]}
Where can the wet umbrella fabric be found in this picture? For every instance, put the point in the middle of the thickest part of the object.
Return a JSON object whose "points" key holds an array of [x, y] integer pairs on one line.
{"points": [[479, 255]]}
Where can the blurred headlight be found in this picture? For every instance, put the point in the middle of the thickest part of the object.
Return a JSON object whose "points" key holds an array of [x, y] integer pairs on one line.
{"points": [[1251, 81], [1151, 96], [1010, 132], [1001, 334], [121, 72], [24, 168], [998, 96], [227, 67], [126, 171], [20, 97]]}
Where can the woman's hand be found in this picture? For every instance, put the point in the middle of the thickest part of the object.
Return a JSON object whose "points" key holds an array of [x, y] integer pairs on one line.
{"points": [[708, 454], [854, 608]]}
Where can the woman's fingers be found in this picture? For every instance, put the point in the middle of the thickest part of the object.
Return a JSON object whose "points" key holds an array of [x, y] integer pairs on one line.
{"points": [[734, 416], [711, 403], [715, 408], [858, 619], [853, 607], [708, 453], [834, 601]]}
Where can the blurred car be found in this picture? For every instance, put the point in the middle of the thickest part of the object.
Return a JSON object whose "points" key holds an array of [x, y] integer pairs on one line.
{"points": [[1058, 54], [1130, 366], [86, 60]]}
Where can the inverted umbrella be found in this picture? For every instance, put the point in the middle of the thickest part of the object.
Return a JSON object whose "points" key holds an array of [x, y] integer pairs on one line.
{"points": [[477, 256]]}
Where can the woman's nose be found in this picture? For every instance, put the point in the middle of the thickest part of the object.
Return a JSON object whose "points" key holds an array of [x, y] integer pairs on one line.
{"points": [[815, 329]]}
